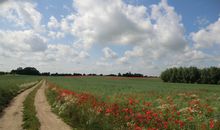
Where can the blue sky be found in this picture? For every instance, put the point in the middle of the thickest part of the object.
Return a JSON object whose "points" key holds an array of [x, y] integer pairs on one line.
{"points": [[109, 36]]}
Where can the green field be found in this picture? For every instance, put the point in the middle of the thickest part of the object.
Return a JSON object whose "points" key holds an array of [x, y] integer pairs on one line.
{"points": [[10, 86], [110, 86], [93, 103], [195, 105]]}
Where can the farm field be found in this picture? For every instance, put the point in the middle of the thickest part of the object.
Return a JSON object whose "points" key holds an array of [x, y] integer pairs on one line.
{"points": [[134, 103], [10, 86]]}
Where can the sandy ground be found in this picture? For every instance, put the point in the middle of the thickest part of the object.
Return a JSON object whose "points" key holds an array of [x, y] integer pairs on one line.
{"points": [[48, 120], [12, 115]]}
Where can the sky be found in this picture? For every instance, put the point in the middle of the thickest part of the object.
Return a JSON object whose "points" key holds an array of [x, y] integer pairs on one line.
{"points": [[109, 36]]}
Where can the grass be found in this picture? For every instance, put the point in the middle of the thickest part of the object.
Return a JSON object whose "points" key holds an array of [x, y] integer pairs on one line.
{"points": [[10, 87], [31, 122], [110, 86], [165, 98]]}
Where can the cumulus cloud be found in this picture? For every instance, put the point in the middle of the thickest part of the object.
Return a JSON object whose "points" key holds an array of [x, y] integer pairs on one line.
{"points": [[155, 32], [64, 53], [53, 23], [134, 53], [109, 22], [56, 34], [152, 37], [21, 13], [109, 53], [120, 23], [26, 40], [208, 36], [58, 28]]}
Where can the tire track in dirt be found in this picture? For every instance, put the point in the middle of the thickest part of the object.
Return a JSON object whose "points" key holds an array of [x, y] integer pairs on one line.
{"points": [[12, 117], [48, 120]]}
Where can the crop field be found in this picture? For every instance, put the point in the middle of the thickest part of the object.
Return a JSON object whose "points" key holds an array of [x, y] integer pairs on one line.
{"points": [[10, 86], [134, 103]]}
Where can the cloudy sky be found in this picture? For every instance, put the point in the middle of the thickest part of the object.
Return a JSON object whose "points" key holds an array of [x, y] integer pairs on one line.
{"points": [[109, 36]]}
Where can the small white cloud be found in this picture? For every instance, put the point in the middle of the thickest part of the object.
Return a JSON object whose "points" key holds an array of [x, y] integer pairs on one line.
{"points": [[56, 35], [109, 53], [64, 25], [53, 23], [201, 21]]}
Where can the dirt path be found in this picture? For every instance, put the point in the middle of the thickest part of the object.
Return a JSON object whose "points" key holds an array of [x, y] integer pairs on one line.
{"points": [[12, 115], [48, 120]]}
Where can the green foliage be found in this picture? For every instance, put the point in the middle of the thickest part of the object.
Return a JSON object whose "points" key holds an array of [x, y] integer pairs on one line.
{"points": [[31, 122], [192, 75], [9, 87]]}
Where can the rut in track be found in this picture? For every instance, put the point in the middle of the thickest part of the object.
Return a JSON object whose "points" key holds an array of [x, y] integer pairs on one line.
{"points": [[12, 115], [48, 120]]}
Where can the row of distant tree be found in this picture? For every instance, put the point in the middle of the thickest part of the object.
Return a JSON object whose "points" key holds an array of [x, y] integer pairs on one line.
{"points": [[192, 75], [34, 71], [26, 71]]}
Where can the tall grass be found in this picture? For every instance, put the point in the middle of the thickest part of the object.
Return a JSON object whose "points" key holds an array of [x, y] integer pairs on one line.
{"points": [[10, 87], [30, 119]]}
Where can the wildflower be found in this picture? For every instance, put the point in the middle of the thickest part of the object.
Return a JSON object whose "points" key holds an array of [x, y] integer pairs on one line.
{"points": [[148, 104], [155, 115], [211, 123], [165, 124], [178, 113], [137, 128], [127, 118], [108, 110], [148, 113], [131, 102], [190, 118], [181, 124]]}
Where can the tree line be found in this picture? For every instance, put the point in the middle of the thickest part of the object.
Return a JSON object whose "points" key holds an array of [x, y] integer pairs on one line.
{"points": [[26, 71], [34, 71], [209, 75]]}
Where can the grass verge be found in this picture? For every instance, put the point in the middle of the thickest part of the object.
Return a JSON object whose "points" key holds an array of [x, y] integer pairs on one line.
{"points": [[31, 122], [11, 86]]}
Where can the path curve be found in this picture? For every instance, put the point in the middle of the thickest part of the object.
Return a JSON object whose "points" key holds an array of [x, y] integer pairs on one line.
{"points": [[12, 117], [48, 120]]}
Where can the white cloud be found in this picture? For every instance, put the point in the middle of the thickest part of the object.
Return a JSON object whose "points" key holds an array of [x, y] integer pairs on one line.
{"points": [[136, 52], [109, 53], [56, 34], [207, 37], [53, 23], [201, 21], [65, 25], [26, 40], [109, 22], [119, 23], [21, 13], [152, 37], [155, 33], [58, 29]]}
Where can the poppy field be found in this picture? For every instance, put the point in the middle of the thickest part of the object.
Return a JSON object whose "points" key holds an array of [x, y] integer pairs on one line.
{"points": [[114, 103]]}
